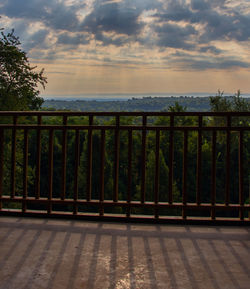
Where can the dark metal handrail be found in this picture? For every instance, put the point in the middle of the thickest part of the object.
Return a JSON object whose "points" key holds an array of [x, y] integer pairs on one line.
{"points": [[16, 131]]}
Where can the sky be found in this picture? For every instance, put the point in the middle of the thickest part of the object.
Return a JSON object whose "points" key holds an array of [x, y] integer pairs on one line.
{"points": [[134, 46]]}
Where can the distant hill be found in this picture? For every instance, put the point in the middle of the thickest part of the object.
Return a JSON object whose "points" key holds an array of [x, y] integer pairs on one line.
{"points": [[134, 104]]}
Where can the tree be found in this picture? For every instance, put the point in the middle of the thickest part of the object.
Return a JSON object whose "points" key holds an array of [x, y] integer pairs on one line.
{"points": [[18, 79], [234, 103]]}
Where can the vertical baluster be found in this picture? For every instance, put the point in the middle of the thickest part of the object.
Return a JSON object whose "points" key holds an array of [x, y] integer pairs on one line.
{"points": [[241, 187], [130, 143], [116, 159], [213, 176], [228, 151], [101, 197], [25, 169], [51, 161], [13, 159], [171, 160], [64, 157], [90, 158], [184, 174], [38, 157], [143, 178], [199, 162], [1, 164], [77, 156], [157, 169], [249, 196]]}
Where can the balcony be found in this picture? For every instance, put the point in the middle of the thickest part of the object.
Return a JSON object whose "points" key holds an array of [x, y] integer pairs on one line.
{"points": [[157, 167], [174, 168]]}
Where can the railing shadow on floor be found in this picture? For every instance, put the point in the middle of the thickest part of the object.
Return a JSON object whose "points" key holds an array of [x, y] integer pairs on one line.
{"points": [[73, 254]]}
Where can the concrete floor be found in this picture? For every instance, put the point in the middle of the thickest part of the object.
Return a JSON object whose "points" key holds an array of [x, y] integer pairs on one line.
{"points": [[42, 253]]}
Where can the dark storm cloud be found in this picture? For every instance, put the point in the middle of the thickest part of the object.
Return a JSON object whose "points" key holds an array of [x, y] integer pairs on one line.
{"points": [[109, 40], [210, 49], [220, 22], [72, 39], [113, 17], [172, 35], [36, 39], [118, 17], [175, 11], [55, 14]]}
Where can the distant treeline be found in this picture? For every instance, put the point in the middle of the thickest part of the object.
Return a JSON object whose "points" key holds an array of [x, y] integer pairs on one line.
{"points": [[134, 104]]}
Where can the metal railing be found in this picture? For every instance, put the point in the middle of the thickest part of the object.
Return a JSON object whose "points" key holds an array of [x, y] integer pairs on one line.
{"points": [[55, 164]]}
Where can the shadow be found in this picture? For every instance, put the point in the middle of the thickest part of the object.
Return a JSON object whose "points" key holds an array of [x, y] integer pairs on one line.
{"points": [[10, 252], [187, 265], [132, 277], [244, 267], [76, 263], [58, 261], [151, 269], [113, 263], [205, 265], [7, 284], [35, 271], [89, 255], [6, 236], [93, 264], [224, 265]]}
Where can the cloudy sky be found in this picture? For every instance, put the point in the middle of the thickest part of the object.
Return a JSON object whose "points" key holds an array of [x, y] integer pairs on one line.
{"points": [[135, 46]]}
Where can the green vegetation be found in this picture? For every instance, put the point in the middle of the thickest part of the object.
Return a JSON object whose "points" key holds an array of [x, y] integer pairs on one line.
{"points": [[18, 80], [18, 91], [145, 104], [136, 160]]}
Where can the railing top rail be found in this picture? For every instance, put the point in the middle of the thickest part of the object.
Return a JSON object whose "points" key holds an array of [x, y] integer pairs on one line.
{"points": [[123, 113]]}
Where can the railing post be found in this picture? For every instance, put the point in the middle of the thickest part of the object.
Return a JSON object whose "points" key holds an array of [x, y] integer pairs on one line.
{"points": [[228, 158], [1, 164], [143, 177], [184, 174], [51, 165], [199, 162], [25, 170], [116, 159], [13, 159], [241, 187], [90, 158], [130, 144], [64, 157], [38, 157], [102, 170], [77, 156], [213, 176], [157, 170], [171, 160]]}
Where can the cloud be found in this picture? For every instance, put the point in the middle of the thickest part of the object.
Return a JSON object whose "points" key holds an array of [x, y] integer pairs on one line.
{"points": [[187, 61], [53, 13], [220, 21], [111, 40], [72, 39], [133, 29], [172, 35], [219, 64], [211, 49], [112, 17]]}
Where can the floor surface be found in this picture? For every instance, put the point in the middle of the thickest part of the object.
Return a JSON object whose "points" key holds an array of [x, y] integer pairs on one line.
{"points": [[45, 253]]}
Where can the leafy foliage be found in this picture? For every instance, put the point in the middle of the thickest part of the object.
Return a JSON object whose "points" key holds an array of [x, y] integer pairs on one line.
{"points": [[18, 79]]}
